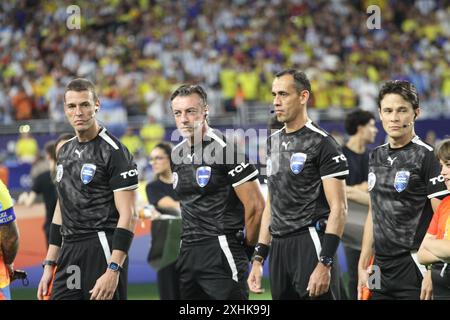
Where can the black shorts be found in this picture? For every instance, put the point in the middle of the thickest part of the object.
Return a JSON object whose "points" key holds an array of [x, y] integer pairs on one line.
{"points": [[401, 278], [89, 255], [292, 261], [440, 276], [214, 269]]}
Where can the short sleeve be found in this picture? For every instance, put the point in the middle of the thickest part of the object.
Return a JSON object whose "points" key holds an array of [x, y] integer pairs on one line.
{"points": [[332, 161], [154, 193], [240, 170], [122, 169]]}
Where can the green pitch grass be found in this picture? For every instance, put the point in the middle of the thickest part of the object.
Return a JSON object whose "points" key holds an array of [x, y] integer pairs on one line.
{"points": [[136, 292]]}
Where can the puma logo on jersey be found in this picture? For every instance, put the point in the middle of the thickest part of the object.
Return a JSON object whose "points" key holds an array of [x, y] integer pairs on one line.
{"points": [[131, 173], [391, 160], [78, 153], [339, 158], [439, 178], [238, 169], [285, 144]]}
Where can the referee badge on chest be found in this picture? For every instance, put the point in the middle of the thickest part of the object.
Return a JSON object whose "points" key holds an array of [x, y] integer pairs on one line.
{"points": [[401, 180], [203, 175], [297, 162], [87, 172], [174, 180], [59, 172]]}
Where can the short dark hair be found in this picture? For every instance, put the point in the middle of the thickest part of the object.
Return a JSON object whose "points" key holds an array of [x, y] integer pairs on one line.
{"points": [[49, 148], [357, 118], [443, 150], [401, 87], [300, 78], [189, 89], [81, 84], [166, 147]]}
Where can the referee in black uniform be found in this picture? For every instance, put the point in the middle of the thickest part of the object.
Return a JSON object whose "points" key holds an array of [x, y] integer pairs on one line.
{"points": [[93, 223], [404, 190], [306, 206], [219, 195]]}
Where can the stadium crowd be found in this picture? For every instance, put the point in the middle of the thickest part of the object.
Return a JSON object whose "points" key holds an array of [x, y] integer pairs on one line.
{"points": [[140, 50]]}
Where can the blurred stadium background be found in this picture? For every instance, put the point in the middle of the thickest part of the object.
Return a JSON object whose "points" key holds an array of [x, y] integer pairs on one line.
{"points": [[138, 51]]}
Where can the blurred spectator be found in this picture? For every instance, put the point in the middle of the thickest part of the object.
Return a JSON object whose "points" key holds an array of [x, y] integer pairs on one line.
{"points": [[22, 104], [430, 138], [27, 149], [152, 133], [131, 141], [43, 184], [228, 45]]}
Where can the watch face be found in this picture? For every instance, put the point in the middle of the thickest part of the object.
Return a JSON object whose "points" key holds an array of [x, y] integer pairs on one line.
{"points": [[326, 261], [113, 266]]}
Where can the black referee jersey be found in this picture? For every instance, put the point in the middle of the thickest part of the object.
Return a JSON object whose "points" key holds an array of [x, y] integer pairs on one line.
{"points": [[87, 174], [401, 183], [296, 165], [204, 179]]}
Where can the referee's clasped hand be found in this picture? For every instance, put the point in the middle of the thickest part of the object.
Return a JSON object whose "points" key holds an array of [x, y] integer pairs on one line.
{"points": [[105, 286], [319, 281], [255, 277]]}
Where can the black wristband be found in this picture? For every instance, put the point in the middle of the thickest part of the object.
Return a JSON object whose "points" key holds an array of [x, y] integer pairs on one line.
{"points": [[122, 239], [330, 245], [55, 237], [261, 250]]}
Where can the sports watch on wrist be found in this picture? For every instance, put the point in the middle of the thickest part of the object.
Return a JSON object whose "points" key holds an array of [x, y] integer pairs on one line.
{"points": [[326, 261], [114, 267], [258, 258]]}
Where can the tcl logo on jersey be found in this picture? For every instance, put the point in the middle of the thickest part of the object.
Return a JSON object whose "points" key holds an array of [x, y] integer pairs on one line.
{"points": [[439, 178], [130, 173], [339, 158], [238, 169]]}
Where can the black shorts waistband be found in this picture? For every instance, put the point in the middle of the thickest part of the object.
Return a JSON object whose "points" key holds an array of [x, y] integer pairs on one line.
{"points": [[233, 236], [85, 236], [320, 225]]}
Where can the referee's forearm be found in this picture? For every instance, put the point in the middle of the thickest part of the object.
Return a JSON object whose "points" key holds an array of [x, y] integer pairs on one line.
{"points": [[52, 253], [125, 204], [337, 219], [367, 243], [253, 217], [264, 233], [127, 221]]}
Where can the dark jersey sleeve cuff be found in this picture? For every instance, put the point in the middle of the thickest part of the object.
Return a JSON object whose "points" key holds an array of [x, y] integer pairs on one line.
{"points": [[251, 176]]}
